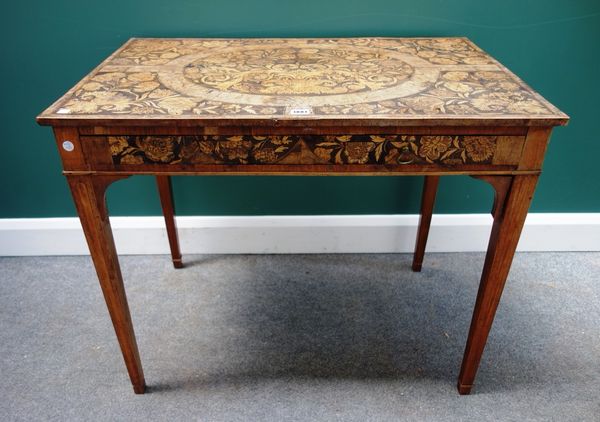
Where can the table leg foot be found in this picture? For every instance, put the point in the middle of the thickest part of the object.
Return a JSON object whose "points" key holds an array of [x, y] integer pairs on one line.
{"points": [[177, 263], [140, 388], [464, 389], [416, 267]]}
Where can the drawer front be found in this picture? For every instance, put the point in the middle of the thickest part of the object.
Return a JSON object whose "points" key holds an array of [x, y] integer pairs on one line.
{"points": [[387, 151]]}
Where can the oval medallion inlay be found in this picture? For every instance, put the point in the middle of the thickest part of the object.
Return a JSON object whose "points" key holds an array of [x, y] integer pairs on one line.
{"points": [[298, 71]]}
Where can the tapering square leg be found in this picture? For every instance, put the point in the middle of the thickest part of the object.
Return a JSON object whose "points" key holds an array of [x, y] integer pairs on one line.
{"points": [[427, 202], [88, 194], [165, 193], [513, 196]]}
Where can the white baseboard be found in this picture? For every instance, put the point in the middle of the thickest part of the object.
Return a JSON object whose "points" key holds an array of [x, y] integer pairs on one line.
{"points": [[298, 234]]}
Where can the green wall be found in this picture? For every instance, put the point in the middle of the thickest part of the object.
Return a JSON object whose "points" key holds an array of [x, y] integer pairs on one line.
{"points": [[47, 46]]}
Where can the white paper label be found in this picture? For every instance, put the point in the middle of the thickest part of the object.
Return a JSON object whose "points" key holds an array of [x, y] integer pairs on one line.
{"points": [[300, 111]]}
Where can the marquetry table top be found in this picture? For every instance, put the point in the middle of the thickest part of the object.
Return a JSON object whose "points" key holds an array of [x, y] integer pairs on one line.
{"points": [[366, 81]]}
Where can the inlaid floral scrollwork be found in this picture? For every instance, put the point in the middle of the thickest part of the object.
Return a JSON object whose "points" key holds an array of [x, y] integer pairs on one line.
{"points": [[149, 77], [334, 149]]}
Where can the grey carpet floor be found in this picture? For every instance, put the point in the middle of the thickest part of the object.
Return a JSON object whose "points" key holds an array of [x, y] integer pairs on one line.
{"points": [[300, 337]]}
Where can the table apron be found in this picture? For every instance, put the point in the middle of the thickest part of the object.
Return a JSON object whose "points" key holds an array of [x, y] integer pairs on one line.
{"points": [[301, 154]]}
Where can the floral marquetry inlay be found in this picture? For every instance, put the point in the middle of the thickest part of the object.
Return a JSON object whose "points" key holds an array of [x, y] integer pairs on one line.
{"points": [[334, 78], [333, 149], [298, 71]]}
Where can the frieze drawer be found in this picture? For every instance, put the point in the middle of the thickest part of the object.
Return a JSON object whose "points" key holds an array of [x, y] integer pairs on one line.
{"points": [[462, 152]]}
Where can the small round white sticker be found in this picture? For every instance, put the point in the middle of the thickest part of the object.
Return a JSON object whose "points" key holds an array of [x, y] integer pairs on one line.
{"points": [[68, 146]]}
